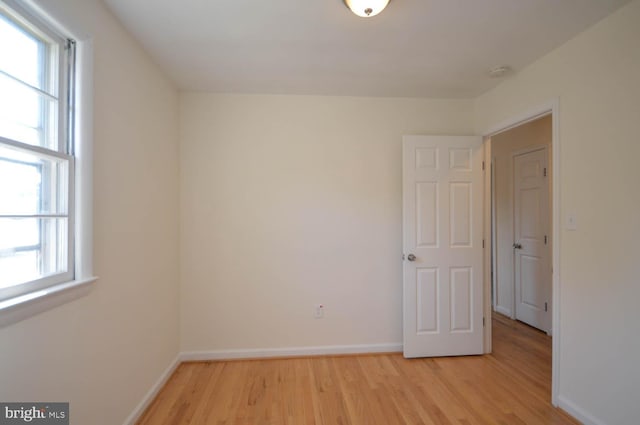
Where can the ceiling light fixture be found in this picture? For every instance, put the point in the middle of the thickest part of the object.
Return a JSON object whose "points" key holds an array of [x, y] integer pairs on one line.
{"points": [[366, 8]]}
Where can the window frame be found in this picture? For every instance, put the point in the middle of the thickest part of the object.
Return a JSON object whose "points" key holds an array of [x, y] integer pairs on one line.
{"points": [[27, 299], [56, 83]]}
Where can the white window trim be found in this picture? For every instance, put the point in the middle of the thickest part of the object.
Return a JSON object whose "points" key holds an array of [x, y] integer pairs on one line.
{"points": [[21, 307]]}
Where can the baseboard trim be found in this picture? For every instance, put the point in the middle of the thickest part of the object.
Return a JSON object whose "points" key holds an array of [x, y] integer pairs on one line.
{"points": [[191, 356], [578, 412], [153, 392]]}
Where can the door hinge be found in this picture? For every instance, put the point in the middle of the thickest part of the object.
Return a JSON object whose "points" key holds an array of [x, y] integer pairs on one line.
{"points": [[402, 257], [482, 165], [483, 243], [483, 322], [545, 239], [545, 307], [545, 171]]}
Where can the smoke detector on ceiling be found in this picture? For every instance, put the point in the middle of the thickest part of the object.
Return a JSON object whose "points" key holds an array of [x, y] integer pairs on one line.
{"points": [[500, 71]]}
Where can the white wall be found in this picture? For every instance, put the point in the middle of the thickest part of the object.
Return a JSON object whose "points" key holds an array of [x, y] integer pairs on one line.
{"points": [[596, 77], [289, 201], [104, 351], [503, 145]]}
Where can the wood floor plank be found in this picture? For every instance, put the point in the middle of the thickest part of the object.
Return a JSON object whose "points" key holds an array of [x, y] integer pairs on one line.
{"points": [[511, 386]]}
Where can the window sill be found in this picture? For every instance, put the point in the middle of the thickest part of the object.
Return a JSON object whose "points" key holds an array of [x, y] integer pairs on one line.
{"points": [[19, 308]]}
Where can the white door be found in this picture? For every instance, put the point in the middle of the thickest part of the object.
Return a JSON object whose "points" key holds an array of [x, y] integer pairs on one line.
{"points": [[442, 242], [531, 233]]}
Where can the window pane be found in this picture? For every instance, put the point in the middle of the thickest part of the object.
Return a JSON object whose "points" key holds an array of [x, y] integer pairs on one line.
{"points": [[18, 233], [27, 116], [18, 268], [21, 54], [20, 187], [31, 248], [31, 184]]}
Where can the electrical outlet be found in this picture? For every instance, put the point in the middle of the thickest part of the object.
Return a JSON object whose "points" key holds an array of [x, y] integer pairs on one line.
{"points": [[318, 312]]}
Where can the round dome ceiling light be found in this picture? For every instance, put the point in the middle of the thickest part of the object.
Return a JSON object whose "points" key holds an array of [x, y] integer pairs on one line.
{"points": [[366, 8]]}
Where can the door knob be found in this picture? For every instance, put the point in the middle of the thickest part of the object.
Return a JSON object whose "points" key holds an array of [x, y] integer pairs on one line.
{"points": [[517, 245], [411, 257]]}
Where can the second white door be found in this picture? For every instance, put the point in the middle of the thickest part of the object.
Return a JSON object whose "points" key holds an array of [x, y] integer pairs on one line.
{"points": [[532, 243]]}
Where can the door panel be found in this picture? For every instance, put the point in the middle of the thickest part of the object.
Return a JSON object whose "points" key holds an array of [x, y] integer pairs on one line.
{"points": [[442, 227], [531, 245], [461, 299], [427, 204], [530, 268], [427, 300], [460, 214]]}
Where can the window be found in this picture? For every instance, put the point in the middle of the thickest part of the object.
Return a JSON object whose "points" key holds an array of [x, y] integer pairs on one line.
{"points": [[37, 223]]}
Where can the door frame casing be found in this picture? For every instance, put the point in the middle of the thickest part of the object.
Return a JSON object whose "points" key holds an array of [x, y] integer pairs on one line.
{"points": [[551, 107], [493, 248]]}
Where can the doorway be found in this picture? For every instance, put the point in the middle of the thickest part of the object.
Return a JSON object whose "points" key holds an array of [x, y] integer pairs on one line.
{"points": [[521, 218], [550, 109]]}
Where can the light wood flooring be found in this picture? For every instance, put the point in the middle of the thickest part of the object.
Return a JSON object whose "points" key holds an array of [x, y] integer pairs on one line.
{"points": [[511, 386]]}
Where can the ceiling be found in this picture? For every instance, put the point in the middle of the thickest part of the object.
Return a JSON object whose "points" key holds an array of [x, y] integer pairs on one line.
{"points": [[414, 48]]}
